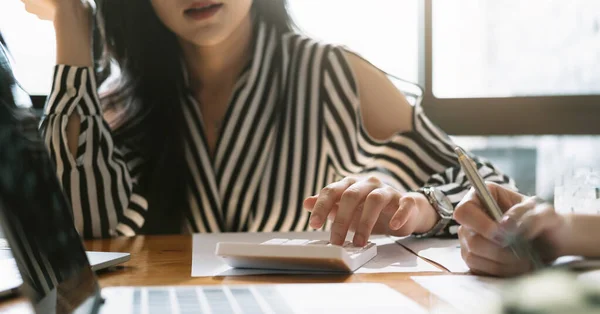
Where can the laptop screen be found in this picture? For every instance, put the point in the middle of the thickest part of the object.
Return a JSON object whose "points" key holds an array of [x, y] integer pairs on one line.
{"points": [[37, 222]]}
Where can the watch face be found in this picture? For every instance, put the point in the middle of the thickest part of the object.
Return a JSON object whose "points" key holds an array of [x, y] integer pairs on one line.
{"points": [[443, 202]]}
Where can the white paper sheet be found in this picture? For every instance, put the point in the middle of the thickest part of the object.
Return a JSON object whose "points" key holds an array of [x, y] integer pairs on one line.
{"points": [[391, 257], [592, 277], [577, 263], [467, 294], [445, 252]]}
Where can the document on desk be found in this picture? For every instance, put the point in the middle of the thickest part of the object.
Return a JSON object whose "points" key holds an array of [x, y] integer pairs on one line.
{"points": [[592, 277], [391, 257], [444, 252], [467, 294], [577, 263]]}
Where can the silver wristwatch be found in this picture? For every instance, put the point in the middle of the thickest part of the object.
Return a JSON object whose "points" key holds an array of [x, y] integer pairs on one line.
{"points": [[442, 205]]}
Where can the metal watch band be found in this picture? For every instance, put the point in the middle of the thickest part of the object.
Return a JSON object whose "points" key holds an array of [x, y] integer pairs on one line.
{"points": [[442, 222]]}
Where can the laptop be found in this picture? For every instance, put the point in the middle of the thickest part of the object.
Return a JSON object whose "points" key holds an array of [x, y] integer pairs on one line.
{"points": [[15, 130], [58, 278], [11, 278]]}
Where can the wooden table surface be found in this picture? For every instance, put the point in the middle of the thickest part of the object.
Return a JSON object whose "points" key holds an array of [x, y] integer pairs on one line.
{"points": [[167, 260]]}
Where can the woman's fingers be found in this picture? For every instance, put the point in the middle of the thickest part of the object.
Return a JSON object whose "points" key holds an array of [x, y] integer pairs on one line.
{"points": [[328, 197], [471, 215], [514, 214], [349, 202], [480, 265], [484, 241], [486, 257], [355, 205], [485, 248], [404, 212], [538, 220], [374, 204], [42, 10], [505, 197], [309, 202]]}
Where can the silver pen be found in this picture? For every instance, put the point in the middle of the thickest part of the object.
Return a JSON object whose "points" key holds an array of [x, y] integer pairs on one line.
{"points": [[518, 245]]}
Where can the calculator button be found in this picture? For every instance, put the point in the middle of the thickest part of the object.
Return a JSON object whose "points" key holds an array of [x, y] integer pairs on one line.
{"points": [[275, 241], [318, 242], [296, 242]]}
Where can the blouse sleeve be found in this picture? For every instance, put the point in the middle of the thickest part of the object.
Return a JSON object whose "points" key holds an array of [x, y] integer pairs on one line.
{"points": [[407, 161], [98, 180]]}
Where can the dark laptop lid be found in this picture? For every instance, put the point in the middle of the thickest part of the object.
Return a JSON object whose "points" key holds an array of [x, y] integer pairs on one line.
{"points": [[36, 218]]}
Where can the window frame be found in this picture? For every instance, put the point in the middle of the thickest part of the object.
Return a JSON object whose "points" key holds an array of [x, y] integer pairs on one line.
{"points": [[535, 115]]}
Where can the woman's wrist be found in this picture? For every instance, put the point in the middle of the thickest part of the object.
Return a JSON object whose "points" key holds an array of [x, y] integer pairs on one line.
{"points": [[580, 235], [427, 214], [72, 6], [564, 237]]}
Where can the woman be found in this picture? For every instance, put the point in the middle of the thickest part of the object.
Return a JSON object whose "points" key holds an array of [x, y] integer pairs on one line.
{"points": [[224, 119], [483, 242]]}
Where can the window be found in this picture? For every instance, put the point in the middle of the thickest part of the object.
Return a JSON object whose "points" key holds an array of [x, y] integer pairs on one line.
{"points": [[31, 44], [486, 66], [383, 31], [536, 163], [515, 48], [393, 48], [512, 67]]}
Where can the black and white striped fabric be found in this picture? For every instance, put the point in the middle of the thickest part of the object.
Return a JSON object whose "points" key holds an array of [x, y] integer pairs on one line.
{"points": [[292, 127]]}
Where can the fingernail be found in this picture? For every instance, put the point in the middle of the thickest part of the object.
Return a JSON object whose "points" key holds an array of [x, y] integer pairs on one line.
{"points": [[315, 221], [501, 238], [404, 203], [395, 224], [508, 224]]}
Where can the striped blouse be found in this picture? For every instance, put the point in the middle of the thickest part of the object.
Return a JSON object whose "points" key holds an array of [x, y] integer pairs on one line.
{"points": [[267, 159]]}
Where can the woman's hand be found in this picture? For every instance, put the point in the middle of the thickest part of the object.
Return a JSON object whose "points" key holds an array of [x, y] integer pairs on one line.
{"points": [[72, 24], [49, 9], [365, 206], [484, 242], [43, 9]]}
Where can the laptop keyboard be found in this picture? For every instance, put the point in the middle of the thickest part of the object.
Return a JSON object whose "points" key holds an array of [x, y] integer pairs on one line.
{"points": [[9, 272], [209, 300], [4, 244]]}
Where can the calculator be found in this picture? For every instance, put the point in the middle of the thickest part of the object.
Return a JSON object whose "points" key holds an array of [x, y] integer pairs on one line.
{"points": [[296, 254]]}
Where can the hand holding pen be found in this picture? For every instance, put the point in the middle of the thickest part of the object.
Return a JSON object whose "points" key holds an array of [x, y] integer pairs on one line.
{"points": [[498, 225]]}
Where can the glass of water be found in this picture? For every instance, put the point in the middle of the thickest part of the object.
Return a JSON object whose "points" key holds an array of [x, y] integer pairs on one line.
{"points": [[577, 190]]}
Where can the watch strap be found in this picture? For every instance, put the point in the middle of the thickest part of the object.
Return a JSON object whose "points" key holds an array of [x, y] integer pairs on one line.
{"points": [[442, 222]]}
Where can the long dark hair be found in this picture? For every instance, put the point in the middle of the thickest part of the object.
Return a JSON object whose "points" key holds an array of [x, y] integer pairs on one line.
{"points": [[152, 86], [10, 113], [6, 82]]}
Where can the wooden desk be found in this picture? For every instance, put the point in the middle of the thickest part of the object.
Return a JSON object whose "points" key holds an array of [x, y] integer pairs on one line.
{"points": [[167, 260]]}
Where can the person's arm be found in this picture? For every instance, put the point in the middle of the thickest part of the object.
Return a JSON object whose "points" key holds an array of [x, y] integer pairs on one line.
{"points": [[392, 139], [93, 173], [72, 22], [583, 236]]}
